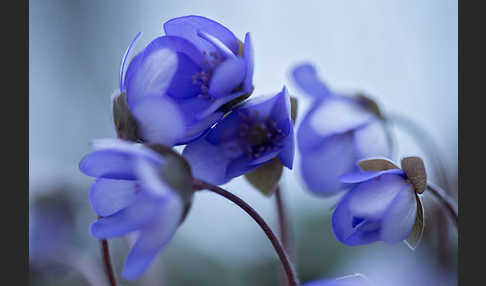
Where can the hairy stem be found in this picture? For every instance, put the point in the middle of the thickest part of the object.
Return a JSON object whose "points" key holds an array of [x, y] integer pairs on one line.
{"points": [[445, 200], [284, 258]]}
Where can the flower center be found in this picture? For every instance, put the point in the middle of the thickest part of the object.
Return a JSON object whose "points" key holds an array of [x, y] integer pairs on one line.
{"points": [[202, 78], [259, 137]]}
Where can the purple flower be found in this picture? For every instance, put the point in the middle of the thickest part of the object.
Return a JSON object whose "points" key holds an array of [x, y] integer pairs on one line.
{"points": [[350, 280], [383, 204], [131, 195], [251, 135], [337, 131], [186, 80]]}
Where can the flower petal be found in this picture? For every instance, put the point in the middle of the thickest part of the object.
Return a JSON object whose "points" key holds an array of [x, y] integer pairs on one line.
{"points": [[153, 238], [227, 77], [286, 155], [208, 162], [371, 140], [344, 229], [400, 216], [349, 280], [307, 137], [159, 120], [108, 196], [199, 128], [137, 215], [114, 159], [305, 76], [152, 75], [248, 56], [220, 46], [152, 181], [124, 59], [188, 26], [361, 176], [217, 103], [281, 109], [337, 115], [370, 200], [321, 167]]}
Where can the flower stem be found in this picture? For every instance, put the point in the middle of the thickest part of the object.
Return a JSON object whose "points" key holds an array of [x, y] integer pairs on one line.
{"points": [[105, 251], [291, 276], [283, 227], [282, 219], [445, 200]]}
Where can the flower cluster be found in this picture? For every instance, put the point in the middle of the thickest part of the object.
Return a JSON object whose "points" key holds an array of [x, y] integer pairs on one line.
{"points": [[191, 87], [187, 87]]}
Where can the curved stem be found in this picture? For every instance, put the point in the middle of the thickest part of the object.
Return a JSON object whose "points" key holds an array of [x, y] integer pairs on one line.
{"points": [[282, 219], [292, 278], [444, 200], [105, 251], [283, 227], [427, 143]]}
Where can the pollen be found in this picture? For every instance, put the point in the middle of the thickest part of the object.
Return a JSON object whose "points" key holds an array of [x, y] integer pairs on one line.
{"points": [[259, 136]]}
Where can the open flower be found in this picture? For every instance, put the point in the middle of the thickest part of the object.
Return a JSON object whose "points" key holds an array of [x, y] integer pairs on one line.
{"points": [[383, 204], [337, 131], [132, 193], [252, 134], [350, 280], [188, 78]]}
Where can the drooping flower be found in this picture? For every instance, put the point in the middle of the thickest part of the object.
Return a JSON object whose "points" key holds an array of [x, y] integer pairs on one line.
{"points": [[251, 135], [135, 192], [383, 204], [337, 131], [186, 80], [350, 280]]}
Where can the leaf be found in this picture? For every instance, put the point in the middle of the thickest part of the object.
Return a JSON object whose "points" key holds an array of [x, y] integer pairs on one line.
{"points": [[376, 164], [240, 48], [265, 178], [415, 169], [293, 108], [125, 123], [415, 235], [176, 171]]}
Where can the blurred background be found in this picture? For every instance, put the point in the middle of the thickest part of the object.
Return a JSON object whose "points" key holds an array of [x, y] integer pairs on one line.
{"points": [[401, 53]]}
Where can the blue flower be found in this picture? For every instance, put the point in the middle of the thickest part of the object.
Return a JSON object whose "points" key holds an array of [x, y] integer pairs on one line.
{"points": [[350, 280], [337, 131], [251, 135], [132, 195], [186, 80], [383, 205]]}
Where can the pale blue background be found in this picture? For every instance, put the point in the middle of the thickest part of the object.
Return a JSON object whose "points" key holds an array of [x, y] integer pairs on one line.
{"points": [[403, 53]]}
